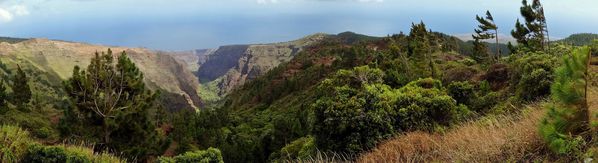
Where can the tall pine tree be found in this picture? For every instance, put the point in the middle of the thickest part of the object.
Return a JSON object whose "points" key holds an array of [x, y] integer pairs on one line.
{"points": [[3, 95], [111, 105], [534, 33], [483, 33], [21, 95], [420, 50]]}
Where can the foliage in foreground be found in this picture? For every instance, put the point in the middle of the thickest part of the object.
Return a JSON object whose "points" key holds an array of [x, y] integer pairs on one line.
{"points": [[568, 117], [211, 155], [356, 110], [16, 145]]}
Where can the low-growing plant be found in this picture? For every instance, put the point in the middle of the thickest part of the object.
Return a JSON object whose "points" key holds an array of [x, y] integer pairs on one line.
{"points": [[13, 143], [202, 156]]}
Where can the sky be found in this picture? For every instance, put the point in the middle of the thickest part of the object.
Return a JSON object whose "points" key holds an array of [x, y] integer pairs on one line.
{"points": [[197, 24]]}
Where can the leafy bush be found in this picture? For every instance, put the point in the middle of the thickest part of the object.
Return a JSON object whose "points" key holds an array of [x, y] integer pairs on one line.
{"points": [[202, 156], [355, 111], [43, 132], [301, 148], [532, 75], [463, 92], [16, 145], [424, 105], [39, 153]]}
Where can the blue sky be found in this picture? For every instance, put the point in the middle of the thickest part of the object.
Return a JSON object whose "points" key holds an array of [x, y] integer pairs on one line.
{"points": [[193, 24]]}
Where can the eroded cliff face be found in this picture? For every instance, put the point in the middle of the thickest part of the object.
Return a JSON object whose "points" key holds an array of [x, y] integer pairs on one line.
{"points": [[161, 71], [231, 66]]}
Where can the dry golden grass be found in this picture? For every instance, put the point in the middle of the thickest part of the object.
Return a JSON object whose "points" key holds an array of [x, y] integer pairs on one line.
{"points": [[491, 139]]}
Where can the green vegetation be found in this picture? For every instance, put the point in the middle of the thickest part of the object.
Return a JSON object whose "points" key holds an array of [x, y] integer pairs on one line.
{"points": [[480, 50], [111, 105], [11, 40], [533, 33], [203, 156], [568, 117], [342, 95], [17, 146], [356, 110], [20, 87], [580, 39]]}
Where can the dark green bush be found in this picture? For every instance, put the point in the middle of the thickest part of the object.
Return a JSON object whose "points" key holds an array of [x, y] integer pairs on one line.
{"points": [[50, 154], [43, 132], [532, 75], [301, 148], [210, 155], [424, 105], [355, 111], [463, 92]]}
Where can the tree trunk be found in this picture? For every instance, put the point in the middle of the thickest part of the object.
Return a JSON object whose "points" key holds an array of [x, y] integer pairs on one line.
{"points": [[497, 47], [106, 132], [587, 79]]}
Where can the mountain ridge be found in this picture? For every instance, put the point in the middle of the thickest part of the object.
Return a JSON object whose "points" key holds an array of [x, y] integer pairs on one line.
{"points": [[60, 57]]}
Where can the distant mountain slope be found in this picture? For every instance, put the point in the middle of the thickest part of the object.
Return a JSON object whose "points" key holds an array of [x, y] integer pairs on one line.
{"points": [[11, 40], [223, 69], [162, 72], [192, 58], [579, 39]]}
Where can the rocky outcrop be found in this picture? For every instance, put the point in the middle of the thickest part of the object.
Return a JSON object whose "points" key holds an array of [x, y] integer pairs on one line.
{"points": [[220, 62], [232, 66]]}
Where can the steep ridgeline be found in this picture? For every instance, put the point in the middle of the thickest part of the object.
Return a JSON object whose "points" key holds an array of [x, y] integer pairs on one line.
{"points": [[227, 67], [56, 60]]}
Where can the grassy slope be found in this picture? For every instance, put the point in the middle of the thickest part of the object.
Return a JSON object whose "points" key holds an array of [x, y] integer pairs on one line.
{"points": [[504, 137]]}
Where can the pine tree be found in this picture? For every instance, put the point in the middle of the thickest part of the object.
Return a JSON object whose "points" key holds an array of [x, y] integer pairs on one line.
{"points": [[482, 33], [3, 95], [419, 44], [20, 88], [480, 51], [569, 115], [112, 104], [420, 49], [534, 34]]}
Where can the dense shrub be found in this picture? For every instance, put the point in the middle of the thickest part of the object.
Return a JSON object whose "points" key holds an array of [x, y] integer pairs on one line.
{"points": [[355, 110], [301, 148], [463, 92], [39, 153], [532, 75], [424, 105], [16, 145], [203, 156]]}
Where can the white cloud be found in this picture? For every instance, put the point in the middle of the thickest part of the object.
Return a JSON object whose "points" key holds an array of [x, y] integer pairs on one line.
{"points": [[277, 1], [377, 1], [5, 16], [8, 14], [266, 1], [19, 10]]}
